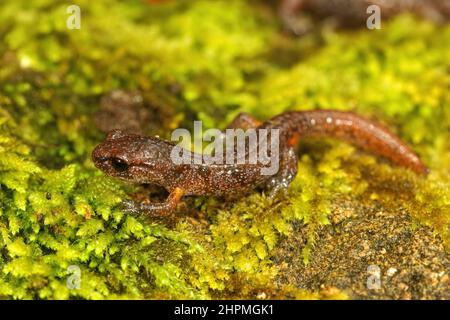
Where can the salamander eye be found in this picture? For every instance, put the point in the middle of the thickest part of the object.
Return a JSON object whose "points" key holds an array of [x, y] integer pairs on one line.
{"points": [[119, 165]]}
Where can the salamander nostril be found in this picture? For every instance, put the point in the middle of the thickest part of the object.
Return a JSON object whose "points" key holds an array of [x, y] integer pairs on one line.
{"points": [[119, 165]]}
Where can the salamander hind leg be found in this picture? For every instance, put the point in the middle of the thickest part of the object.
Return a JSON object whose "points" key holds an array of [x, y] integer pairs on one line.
{"points": [[279, 183]]}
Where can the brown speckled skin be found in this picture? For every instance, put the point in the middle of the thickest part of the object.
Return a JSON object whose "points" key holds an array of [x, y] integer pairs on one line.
{"points": [[141, 159]]}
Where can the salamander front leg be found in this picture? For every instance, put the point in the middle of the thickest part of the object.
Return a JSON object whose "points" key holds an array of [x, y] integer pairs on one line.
{"points": [[161, 208]]}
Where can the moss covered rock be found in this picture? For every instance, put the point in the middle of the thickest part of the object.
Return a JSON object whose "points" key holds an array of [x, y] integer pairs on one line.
{"points": [[209, 61]]}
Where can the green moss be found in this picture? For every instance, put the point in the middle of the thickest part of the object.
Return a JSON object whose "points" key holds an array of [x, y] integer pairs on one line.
{"points": [[224, 57]]}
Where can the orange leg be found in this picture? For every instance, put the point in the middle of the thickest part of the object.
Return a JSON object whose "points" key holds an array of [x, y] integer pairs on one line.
{"points": [[161, 208]]}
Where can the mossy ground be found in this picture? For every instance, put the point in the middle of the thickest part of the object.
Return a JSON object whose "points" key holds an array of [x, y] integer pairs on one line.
{"points": [[223, 57]]}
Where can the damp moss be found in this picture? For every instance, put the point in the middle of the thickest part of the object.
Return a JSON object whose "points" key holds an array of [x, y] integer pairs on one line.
{"points": [[211, 60]]}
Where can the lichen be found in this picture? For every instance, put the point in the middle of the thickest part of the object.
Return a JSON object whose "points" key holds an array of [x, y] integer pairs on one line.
{"points": [[223, 57]]}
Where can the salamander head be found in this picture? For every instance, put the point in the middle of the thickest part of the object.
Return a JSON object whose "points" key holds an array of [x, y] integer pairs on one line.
{"points": [[134, 158]]}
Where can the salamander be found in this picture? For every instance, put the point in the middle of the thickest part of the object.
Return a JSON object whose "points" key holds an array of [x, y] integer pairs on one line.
{"points": [[149, 160]]}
